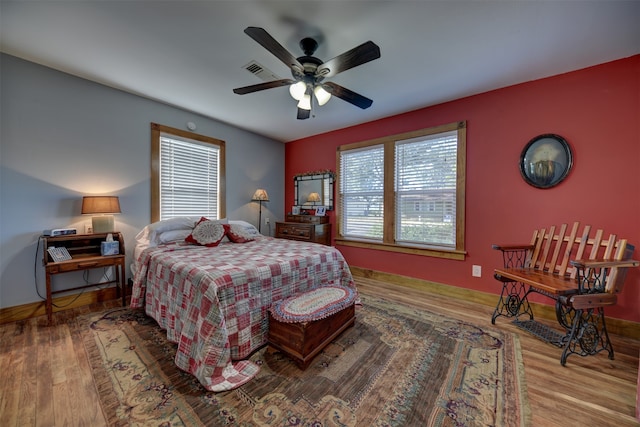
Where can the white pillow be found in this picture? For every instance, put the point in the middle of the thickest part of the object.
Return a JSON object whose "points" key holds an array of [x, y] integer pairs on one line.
{"points": [[177, 223], [151, 234], [249, 228], [173, 236], [143, 236]]}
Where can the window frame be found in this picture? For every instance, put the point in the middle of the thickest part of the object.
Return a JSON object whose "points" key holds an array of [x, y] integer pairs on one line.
{"points": [[388, 241], [157, 131]]}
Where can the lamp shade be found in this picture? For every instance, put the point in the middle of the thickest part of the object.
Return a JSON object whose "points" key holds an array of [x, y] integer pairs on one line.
{"points": [[305, 102], [260, 195], [103, 208], [321, 95], [100, 205], [313, 197], [297, 90]]}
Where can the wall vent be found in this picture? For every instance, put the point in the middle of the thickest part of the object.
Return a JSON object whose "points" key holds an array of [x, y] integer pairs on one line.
{"points": [[261, 71]]}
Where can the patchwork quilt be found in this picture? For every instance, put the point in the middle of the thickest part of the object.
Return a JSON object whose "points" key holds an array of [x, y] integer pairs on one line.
{"points": [[214, 301]]}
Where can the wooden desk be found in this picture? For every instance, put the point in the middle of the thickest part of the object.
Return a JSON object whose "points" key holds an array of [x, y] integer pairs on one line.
{"points": [[85, 255]]}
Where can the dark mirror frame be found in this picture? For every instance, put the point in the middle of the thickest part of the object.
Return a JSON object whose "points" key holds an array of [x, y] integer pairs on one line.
{"points": [[546, 161], [319, 182]]}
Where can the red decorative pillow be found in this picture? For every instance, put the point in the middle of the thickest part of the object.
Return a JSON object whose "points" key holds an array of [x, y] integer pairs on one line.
{"points": [[237, 234], [206, 233]]}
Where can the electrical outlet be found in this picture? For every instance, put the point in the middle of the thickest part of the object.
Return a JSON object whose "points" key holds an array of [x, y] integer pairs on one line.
{"points": [[88, 229], [266, 220], [476, 271]]}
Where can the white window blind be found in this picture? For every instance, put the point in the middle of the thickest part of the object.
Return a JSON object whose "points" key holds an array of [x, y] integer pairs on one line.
{"points": [[362, 192], [189, 178], [426, 175]]}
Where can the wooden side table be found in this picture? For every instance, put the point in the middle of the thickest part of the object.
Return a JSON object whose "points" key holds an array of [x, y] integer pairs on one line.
{"points": [[85, 255]]}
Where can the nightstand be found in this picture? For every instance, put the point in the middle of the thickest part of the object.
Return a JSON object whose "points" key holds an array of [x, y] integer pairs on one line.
{"points": [[309, 228], [85, 255]]}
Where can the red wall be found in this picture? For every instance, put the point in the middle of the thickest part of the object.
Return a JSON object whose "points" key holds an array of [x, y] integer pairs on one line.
{"points": [[597, 110]]}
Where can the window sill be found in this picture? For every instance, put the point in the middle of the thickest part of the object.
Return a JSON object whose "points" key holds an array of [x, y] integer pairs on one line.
{"points": [[422, 251]]}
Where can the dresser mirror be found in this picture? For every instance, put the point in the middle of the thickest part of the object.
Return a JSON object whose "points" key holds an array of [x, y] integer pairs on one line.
{"points": [[314, 189]]}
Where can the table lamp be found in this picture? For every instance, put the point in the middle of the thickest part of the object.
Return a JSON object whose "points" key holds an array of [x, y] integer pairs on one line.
{"points": [[103, 208], [313, 198]]}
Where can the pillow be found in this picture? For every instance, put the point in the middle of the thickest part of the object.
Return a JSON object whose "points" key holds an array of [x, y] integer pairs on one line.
{"points": [[249, 228], [149, 234], [143, 236], [206, 233], [152, 234], [173, 236], [177, 223], [238, 234]]}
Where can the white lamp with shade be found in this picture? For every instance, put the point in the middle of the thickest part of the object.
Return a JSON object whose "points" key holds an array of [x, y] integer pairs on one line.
{"points": [[102, 208]]}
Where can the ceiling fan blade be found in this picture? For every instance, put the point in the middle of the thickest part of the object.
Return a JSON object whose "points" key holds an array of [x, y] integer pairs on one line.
{"points": [[303, 114], [357, 56], [269, 43], [347, 95], [262, 86]]}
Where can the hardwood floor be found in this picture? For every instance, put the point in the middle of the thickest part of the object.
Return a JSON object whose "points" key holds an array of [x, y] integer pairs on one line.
{"points": [[45, 378]]}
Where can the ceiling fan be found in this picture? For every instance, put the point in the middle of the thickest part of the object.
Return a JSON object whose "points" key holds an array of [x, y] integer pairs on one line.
{"points": [[309, 72]]}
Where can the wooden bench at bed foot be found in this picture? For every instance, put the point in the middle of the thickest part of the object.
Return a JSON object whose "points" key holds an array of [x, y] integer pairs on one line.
{"points": [[583, 273], [302, 325]]}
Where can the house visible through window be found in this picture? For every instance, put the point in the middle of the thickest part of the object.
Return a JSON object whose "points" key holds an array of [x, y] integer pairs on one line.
{"points": [[187, 176], [405, 192]]}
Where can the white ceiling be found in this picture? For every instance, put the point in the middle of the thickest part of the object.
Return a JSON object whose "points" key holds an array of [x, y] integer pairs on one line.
{"points": [[191, 53]]}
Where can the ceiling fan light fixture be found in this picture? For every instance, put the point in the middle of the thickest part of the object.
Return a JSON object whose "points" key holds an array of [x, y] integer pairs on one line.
{"points": [[321, 95], [308, 72], [297, 90], [305, 102]]}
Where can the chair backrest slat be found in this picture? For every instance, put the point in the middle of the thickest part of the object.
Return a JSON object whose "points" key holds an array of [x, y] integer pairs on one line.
{"points": [[583, 241], [556, 251], [562, 268], [548, 240], [536, 251]]}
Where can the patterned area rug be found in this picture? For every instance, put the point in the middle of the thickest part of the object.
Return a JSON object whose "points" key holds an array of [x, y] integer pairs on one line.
{"points": [[398, 366]]}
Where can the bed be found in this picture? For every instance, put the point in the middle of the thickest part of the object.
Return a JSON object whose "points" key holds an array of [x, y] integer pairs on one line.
{"points": [[213, 300]]}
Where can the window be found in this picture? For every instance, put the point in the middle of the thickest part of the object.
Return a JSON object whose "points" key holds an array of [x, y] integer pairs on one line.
{"points": [[187, 174], [405, 192], [362, 192]]}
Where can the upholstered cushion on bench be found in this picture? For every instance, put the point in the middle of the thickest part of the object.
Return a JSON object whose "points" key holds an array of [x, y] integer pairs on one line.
{"points": [[303, 324], [313, 305]]}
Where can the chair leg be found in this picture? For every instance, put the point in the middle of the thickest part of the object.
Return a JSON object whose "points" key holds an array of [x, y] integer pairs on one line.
{"points": [[513, 301], [588, 335]]}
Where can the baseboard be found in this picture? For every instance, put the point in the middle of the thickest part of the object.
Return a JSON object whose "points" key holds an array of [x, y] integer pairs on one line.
{"points": [[620, 327], [615, 326], [26, 311]]}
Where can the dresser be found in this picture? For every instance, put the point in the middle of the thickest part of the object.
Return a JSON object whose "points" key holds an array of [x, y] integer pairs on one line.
{"points": [[308, 228]]}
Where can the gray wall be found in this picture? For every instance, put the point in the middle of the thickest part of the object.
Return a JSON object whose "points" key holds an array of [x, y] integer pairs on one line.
{"points": [[63, 137]]}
